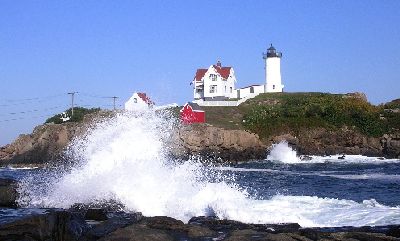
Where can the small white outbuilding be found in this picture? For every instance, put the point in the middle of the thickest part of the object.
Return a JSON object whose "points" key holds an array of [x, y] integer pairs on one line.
{"points": [[138, 101]]}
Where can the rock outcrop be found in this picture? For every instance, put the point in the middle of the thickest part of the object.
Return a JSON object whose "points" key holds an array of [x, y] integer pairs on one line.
{"points": [[210, 143], [44, 144], [320, 141], [216, 144], [47, 142]]}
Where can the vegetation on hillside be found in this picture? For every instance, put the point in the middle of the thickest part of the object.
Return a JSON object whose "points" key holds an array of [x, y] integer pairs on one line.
{"points": [[392, 114], [275, 113], [79, 113]]}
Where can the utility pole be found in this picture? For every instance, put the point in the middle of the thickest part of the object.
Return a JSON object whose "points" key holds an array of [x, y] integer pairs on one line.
{"points": [[72, 102], [114, 98]]}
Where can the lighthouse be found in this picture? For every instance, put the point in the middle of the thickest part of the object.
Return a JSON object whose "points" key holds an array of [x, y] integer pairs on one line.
{"points": [[273, 81]]}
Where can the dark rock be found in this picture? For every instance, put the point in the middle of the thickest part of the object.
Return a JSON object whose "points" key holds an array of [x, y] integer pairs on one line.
{"points": [[223, 225], [97, 214], [249, 234], [217, 224], [59, 225], [361, 236], [53, 225], [393, 231], [8, 192], [195, 231], [391, 145], [162, 228], [138, 233], [163, 222], [116, 221]]}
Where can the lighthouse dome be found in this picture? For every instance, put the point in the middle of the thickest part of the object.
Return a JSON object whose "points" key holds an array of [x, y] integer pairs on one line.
{"points": [[271, 52], [271, 48]]}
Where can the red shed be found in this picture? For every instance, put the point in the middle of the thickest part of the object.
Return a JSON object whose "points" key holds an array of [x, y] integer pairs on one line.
{"points": [[191, 113]]}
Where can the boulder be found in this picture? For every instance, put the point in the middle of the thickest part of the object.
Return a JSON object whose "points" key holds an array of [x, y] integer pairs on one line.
{"points": [[97, 214], [54, 225], [8, 192]]}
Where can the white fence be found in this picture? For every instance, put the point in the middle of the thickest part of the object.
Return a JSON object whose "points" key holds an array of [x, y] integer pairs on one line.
{"points": [[224, 102]]}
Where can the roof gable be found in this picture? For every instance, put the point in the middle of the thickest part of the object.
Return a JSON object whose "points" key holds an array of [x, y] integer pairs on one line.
{"points": [[223, 71], [200, 74], [145, 98], [194, 106]]}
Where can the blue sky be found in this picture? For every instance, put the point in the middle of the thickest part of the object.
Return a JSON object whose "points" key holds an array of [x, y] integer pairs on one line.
{"points": [[113, 48]]}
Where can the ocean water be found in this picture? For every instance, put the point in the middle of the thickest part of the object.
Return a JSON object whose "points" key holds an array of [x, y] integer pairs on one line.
{"points": [[125, 159]]}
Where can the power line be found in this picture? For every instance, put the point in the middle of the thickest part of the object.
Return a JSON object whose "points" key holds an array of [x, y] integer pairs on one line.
{"points": [[30, 111], [31, 99], [23, 118], [25, 102], [93, 96]]}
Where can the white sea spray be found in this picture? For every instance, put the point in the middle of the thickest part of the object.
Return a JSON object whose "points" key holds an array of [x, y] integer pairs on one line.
{"points": [[124, 159]]}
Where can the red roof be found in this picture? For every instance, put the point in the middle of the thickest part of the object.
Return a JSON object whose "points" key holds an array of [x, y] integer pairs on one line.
{"points": [[223, 71], [145, 98], [200, 73]]}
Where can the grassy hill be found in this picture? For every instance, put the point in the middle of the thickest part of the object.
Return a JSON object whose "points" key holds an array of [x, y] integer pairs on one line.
{"points": [[275, 113]]}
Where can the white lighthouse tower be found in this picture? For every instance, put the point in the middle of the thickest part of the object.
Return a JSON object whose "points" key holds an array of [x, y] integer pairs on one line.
{"points": [[273, 81]]}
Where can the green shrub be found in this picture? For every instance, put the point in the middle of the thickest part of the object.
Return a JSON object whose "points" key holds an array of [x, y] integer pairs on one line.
{"points": [[79, 113], [303, 110]]}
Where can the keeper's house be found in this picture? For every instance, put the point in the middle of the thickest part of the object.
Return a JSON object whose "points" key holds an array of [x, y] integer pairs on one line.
{"points": [[214, 83]]}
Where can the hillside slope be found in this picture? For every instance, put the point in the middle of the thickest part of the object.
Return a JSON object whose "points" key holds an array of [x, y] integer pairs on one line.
{"points": [[316, 123]]}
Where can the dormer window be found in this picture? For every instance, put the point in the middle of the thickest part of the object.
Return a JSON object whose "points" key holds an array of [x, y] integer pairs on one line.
{"points": [[134, 100], [213, 77]]}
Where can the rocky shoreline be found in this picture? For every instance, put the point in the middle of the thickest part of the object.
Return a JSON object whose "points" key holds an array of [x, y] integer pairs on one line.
{"points": [[47, 143], [84, 223], [97, 224]]}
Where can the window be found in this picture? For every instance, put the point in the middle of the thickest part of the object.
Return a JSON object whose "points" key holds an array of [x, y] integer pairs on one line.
{"points": [[134, 100], [213, 77], [225, 89], [231, 89], [213, 88], [273, 87], [251, 89], [199, 90]]}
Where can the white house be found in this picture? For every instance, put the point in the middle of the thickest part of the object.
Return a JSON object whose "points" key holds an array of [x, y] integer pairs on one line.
{"points": [[138, 101], [215, 83]]}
